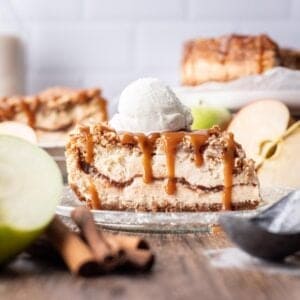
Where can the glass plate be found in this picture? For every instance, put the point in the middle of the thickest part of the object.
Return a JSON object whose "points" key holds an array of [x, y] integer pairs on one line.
{"points": [[160, 222]]}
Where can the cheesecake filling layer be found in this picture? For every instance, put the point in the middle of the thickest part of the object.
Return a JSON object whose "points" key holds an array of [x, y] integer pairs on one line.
{"points": [[154, 197]]}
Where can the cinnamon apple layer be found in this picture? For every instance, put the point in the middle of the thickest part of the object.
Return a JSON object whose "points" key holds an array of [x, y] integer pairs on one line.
{"points": [[171, 171]]}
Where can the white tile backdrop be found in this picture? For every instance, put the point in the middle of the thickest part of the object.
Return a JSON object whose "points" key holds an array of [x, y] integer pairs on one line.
{"points": [[108, 43]]}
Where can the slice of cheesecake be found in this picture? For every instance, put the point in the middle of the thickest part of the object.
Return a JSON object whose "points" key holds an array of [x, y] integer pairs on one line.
{"points": [[227, 57], [169, 171], [56, 109]]}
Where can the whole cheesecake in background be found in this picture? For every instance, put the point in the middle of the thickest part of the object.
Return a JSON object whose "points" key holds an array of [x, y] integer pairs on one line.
{"points": [[227, 57], [55, 110], [151, 161], [232, 56]]}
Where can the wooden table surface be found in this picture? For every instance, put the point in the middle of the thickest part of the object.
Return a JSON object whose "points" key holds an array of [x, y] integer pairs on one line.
{"points": [[182, 271]]}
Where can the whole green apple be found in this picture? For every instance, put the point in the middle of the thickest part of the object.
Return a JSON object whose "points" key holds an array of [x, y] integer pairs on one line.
{"points": [[205, 117]]}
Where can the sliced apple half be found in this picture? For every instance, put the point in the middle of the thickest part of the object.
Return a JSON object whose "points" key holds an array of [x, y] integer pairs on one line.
{"points": [[259, 123], [281, 167], [205, 117], [30, 189]]}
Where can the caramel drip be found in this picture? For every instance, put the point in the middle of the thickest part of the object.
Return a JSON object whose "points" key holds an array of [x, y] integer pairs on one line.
{"points": [[146, 144], [197, 140], [103, 109], [128, 138], [171, 140], [95, 201], [261, 54], [146, 147], [228, 169], [89, 158], [29, 114], [153, 137]]}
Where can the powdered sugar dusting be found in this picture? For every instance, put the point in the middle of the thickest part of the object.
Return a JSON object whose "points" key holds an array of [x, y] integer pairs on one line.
{"points": [[238, 259]]}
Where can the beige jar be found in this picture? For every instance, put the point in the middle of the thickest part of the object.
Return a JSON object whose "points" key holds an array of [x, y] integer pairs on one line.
{"points": [[12, 66]]}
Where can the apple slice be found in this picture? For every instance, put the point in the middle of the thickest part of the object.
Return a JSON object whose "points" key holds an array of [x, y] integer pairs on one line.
{"points": [[205, 117], [258, 123], [282, 166], [18, 129], [30, 189]]}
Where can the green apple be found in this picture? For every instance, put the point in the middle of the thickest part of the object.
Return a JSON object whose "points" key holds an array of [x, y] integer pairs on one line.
{"points": [[30, 189], [205, 117]]}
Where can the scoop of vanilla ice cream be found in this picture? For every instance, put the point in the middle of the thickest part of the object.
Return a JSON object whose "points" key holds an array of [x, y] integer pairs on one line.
{"points": [[148, 105]]}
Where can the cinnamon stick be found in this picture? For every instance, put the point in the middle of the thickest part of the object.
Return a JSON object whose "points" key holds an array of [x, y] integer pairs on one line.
{"points": [[135, 258], [137, 254], [75, 253], [140, 260], [129, 242], [105, 253]]}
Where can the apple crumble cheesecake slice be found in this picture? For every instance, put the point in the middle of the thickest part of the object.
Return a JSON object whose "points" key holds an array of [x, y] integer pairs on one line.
{"points": [[167, 171], [56, 109]]}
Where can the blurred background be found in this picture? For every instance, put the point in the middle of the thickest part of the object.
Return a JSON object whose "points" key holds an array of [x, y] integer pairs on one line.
{"points": [[108, 43]]}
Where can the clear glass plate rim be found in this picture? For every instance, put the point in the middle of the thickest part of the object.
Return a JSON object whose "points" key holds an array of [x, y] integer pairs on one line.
{"points": [[157, 221]]}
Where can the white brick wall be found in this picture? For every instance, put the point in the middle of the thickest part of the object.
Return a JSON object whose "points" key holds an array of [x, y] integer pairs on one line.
{"points": [[45, 10], [134, 10], [111, 42], [81, 46], [240, 9]]}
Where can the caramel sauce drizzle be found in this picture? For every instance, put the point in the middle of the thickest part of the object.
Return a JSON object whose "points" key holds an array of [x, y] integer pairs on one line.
{"points": [[89, 158], [29, 114], [261, 54], [103, 109], [146, 144], [228, 169], [197, 139], [171, 140], [128, 138], [95, 201]]}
